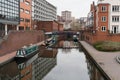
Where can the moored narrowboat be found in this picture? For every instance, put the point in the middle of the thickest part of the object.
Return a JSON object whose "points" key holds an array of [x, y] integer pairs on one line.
{"points": [[27, 51]]}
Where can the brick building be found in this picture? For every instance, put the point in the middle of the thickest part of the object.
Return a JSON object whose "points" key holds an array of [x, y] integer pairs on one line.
{"points": [[25, 14], [60, 27], [49, 26], [103, 22]]}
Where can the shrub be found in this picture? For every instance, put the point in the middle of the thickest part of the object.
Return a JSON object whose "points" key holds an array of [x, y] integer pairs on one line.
{"points": [[107, 46]]}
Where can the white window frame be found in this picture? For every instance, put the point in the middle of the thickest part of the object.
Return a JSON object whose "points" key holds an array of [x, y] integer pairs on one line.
{"points": [[21, 10], [27, 11], [115, 19], [27, 3], [115, 8], [103, 19], [104, 8], [103, 28]]}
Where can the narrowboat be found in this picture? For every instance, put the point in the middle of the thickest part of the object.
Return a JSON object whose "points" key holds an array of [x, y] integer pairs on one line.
{"points": [[75, 39], [27, 51]]}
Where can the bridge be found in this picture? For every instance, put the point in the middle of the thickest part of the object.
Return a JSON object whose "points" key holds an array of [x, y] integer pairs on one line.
{"points": [[62, 33]]}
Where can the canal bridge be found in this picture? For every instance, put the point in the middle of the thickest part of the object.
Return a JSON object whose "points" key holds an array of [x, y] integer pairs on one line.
{"points": [[63, 35], [63, 32]]}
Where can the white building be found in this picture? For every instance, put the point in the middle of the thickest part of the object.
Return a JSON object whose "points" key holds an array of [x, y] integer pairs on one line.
{"points": [[43, 11], [113, 14], [66, 16]]}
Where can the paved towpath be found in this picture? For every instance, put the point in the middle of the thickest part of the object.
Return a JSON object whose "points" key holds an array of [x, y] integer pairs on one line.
{"points": [[10, 56], [6, 58], [106, 60]]}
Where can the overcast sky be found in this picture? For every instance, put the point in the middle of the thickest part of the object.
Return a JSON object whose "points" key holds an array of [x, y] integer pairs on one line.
{"points": [[79, 8]]}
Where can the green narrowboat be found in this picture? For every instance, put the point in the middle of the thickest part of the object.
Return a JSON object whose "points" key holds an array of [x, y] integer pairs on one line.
{"points": [[27, 51]]}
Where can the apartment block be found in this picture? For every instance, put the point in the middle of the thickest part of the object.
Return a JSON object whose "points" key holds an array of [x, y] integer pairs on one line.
{"points": [[103, 22], [66, 16], [42, 10], [25, 14], [9, 16]]}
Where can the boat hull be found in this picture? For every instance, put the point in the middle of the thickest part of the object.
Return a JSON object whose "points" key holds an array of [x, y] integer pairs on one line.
{"points": [[27, 56]]}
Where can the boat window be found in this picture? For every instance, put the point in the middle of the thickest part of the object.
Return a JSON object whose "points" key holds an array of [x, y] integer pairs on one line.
{"points": [[23, 51], [19, 52]]}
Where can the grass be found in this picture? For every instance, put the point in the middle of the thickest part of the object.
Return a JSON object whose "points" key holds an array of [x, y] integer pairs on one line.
{"points": [[107, 46]]}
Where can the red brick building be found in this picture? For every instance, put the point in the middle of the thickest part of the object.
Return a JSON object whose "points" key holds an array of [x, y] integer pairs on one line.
{"points": [[101, 25], [49, 26], [25, 14], [60, 27]]}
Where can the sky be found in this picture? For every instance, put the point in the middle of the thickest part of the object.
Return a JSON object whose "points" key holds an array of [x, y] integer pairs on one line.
{"points": [[79, 8]]}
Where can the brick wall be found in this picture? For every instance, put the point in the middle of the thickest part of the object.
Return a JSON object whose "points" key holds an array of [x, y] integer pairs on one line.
{"points": [[17, 39], [55, 26], [92, 38], [48, 26], [60, 27]]}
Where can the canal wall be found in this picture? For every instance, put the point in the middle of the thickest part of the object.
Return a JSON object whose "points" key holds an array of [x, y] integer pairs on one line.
{"points": [[93, 38], [17, 39], [105, 61]]}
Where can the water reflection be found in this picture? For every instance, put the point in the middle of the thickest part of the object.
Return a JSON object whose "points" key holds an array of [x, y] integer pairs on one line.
{"points": [[44, 64], [9, 71], [93, 72], [53, 64], [25, 67], [34, 68], [66, 51], [70, 66], [66, 45]]}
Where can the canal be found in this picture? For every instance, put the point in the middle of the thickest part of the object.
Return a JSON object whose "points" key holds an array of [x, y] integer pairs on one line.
{"points": [[60, 63]]}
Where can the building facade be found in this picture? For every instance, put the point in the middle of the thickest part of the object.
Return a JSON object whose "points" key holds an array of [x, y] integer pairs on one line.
{"points": [[103, 22], [66, 16], [112, 14], [25, 14], [9, 16], [43, 11]]}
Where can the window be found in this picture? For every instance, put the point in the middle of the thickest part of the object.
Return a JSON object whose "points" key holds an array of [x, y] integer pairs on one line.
{"points": [[21, 10], [27, 20], [21, 0], [21, 27], [103, 28], [27, 12], [115, 18], [21, 19], [116, 8], [104, 8], [103, 18], [9, 10], [27, 3], [115, 29]]}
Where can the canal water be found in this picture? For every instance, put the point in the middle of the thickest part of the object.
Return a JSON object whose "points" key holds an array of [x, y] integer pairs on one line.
{"points": [[53, 64]]}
